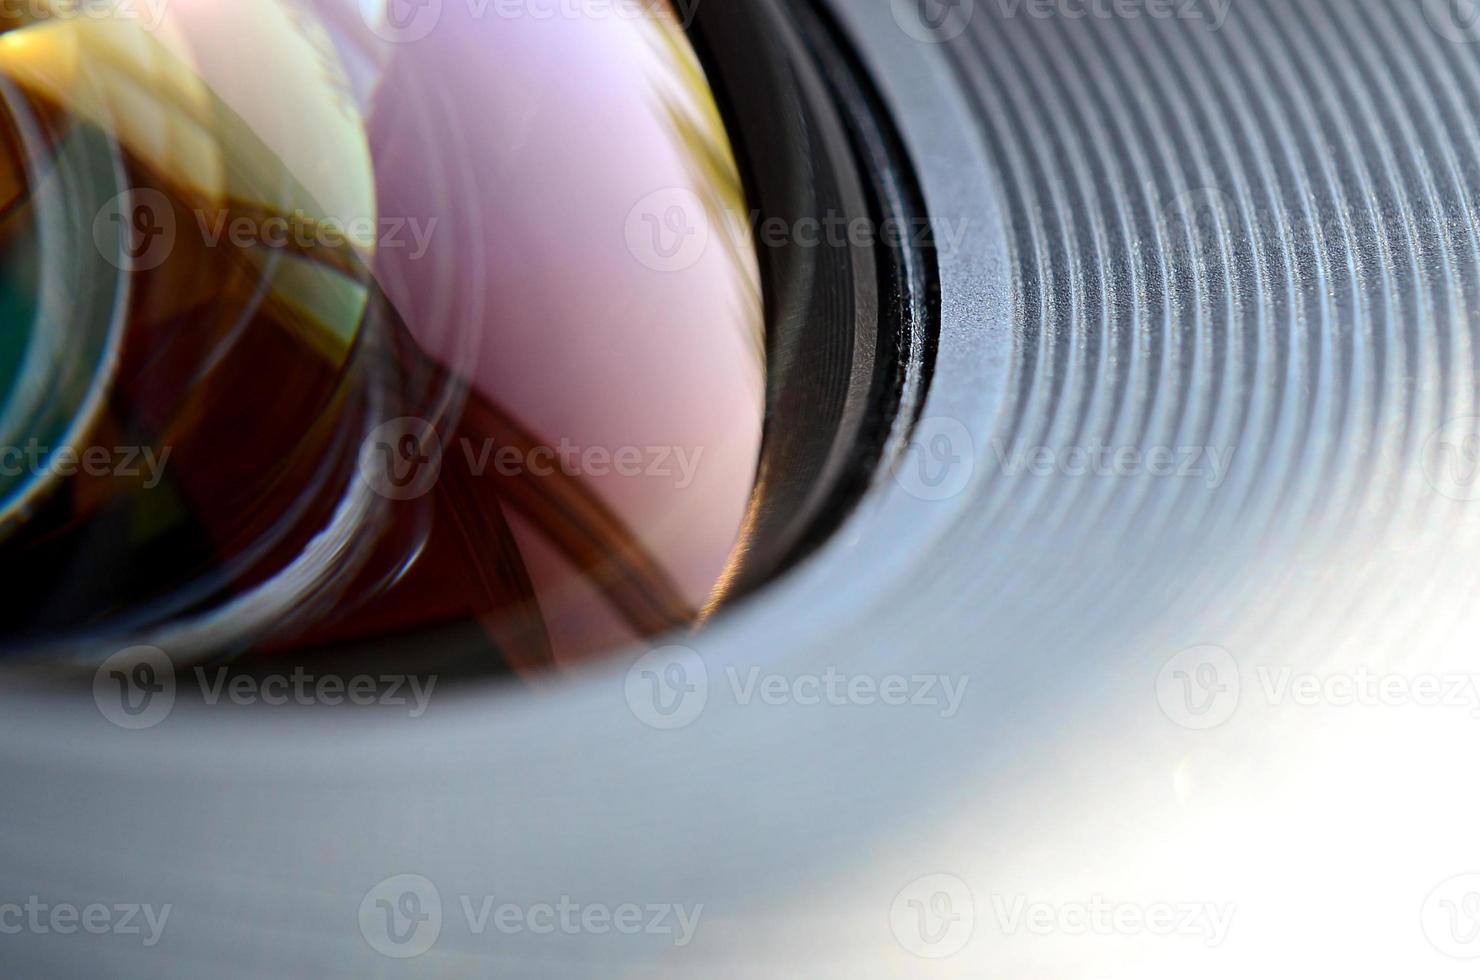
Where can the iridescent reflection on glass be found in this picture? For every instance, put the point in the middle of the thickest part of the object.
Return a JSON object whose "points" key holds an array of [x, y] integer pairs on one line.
{"points": [[324, 323]]}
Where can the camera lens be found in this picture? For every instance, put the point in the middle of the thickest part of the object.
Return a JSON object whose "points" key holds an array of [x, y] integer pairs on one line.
{"points": [[335, 321]]}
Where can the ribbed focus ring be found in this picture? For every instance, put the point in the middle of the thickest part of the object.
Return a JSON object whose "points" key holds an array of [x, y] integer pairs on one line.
{"points": [[1243, 236]]}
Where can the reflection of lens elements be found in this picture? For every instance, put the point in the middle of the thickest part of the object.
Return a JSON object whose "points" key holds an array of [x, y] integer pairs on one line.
{"points": [[940, 460], [1451, 459], [349, 253], [1456, 20], [401, 459], [401, 21], [668, 230], [135, 688], [1199, 687], [402, 916], [933, 21], [135, 231], [934, 916], [668, 688], [1451, 917]]}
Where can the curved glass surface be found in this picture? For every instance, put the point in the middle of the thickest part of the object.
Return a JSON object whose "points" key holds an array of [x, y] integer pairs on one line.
{"points": [[331, 320]]}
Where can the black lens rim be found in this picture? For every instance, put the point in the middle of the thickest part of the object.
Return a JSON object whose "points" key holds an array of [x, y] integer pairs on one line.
{"points": [[851, 326]]}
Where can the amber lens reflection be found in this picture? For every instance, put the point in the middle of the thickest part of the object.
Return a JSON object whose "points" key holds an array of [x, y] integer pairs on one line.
{"points": [[331, 320]]}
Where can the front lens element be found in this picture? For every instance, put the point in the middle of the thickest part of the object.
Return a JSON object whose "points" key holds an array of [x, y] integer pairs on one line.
{"points": [[329, 320]]}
